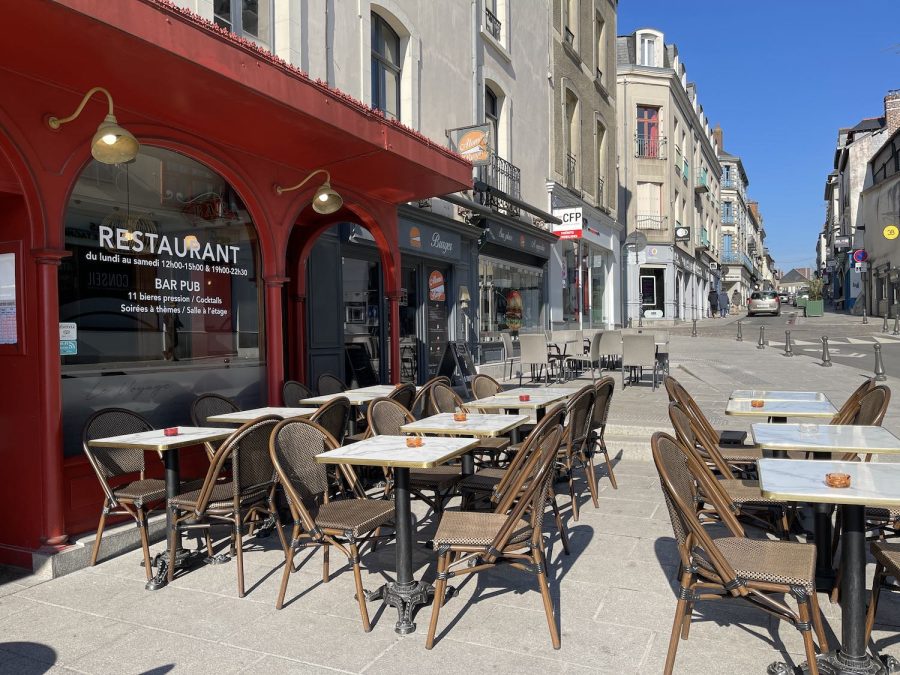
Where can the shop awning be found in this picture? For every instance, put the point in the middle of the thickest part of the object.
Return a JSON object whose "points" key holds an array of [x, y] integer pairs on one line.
{"points": [[164, 65]]}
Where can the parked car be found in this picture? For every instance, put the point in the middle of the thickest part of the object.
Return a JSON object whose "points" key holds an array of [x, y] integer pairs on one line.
{"points": [[784, 297], [764, 302]]}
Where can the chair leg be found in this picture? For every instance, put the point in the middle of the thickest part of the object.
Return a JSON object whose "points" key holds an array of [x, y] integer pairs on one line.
{"points": [[678, 623], [360, 595], [572, 496], [288, 567], [239, 550], [439, 589], [609, 466], [100, 526], [560, 525], [807, 638], [326, 549], [145, 542], [873, 604], [538, 557], [835, 596], [591, 477], [819, 627]]}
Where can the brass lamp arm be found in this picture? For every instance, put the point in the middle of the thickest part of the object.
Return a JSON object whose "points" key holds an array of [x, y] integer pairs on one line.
{"points": [[56, 123], [303, 182]]}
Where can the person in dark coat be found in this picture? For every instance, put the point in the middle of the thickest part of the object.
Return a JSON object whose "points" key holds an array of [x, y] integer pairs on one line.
{"points": [[713, 302], [723, 303]]}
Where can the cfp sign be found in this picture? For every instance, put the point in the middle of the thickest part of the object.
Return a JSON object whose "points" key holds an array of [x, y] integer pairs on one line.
{"points": [[572, 223]]}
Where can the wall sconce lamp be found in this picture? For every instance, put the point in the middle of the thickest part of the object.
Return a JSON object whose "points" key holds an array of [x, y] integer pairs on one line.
{"points": [[111, 144], [464, 297], [325, 200]]}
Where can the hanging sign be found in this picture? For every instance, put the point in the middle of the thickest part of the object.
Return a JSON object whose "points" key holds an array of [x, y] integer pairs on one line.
{"points": [[473, 143], [572, 225]]}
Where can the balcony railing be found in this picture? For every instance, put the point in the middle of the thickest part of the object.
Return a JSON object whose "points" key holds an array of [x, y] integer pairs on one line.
{"points": [[599, 191], [728, 219], [732, 258], [506, 177], [570, 171], [650, 222], [704, 237], [492, 23], [702, 184], [652, 147], [728, 183]]}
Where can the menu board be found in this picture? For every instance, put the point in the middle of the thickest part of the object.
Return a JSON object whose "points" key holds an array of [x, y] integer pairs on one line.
{"points": [[457, 364], [436, 319]]}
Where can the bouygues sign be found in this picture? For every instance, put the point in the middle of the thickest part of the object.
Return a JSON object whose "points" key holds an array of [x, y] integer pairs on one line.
{"points": [[473, 143], [572, 225]]}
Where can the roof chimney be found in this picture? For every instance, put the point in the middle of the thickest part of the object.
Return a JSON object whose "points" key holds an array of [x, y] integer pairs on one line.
{"points": [[892, 111], [717, 134]]}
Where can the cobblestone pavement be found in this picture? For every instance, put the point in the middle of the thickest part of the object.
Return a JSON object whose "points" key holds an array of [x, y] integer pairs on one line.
{"points": [[614, 595]]}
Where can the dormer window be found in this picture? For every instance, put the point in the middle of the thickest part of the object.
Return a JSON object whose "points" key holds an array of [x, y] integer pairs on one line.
{"points": [[648, 50]]}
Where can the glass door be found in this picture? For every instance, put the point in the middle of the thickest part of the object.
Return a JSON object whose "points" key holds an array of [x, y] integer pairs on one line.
{"points": [[410, 300]]}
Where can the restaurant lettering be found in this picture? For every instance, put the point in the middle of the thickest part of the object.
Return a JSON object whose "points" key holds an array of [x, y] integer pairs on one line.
{"points": [[136, 241], [440, 244]]}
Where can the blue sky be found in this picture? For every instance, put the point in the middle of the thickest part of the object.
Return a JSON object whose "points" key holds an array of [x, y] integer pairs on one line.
{"points": [[781, 76]]}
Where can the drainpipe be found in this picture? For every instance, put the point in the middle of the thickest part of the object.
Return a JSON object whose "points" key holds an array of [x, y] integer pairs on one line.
{"points": [[329, 42], [623, 259]]}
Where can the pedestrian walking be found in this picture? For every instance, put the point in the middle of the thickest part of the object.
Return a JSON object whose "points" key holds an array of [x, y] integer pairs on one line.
{"points": [[735, 301], [723, 303], [713, 303]]}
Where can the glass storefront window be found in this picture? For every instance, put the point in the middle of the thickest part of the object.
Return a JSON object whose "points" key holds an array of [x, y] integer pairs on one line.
{"points": [[598, 288], [571, 287], [511, 296], [161, 297], [362, 313]]}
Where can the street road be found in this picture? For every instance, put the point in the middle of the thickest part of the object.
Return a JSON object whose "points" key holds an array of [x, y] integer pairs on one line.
{"points": [[850, 342]]}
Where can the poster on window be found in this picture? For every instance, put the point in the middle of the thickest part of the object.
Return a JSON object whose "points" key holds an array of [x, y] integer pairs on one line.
{"points": [[8, 327], [436, 287]]}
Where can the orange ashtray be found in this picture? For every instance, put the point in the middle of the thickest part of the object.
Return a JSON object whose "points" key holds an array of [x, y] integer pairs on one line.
{"points": [[413, 442], [171, 431], [459, 417], [837, 480], [524, 397], [757, 403]]}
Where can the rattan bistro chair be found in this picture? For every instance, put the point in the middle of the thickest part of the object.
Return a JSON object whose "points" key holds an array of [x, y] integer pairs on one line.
{"points": [[239, 502], [469, 542], [333, 417], [330, 384], [404, 394], [603, 393], [386, 416], [292, 392], [206, 406], [444, 400], [484, 386], [112, 464], [571, 450], [756, 571], [346, 524], [421, 403]]}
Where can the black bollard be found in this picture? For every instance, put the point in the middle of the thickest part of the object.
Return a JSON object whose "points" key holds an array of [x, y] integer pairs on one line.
{"points": [[865, 316], [880, 375], [740, 337], [826, 357], [640, 319], [884, 325], [788, 351], [762, 338]]}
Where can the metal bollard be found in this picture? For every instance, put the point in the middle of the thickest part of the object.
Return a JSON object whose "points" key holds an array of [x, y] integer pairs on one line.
{"points": [[762, 338], [826, 357], [694, 329], [740, 337], [865, 316], [884, 324], [640, 319], [788, 351], [896, 330], [880, 375], [630, 321]]}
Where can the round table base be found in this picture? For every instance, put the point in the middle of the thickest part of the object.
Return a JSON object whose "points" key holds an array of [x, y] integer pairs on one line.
{"points": [[838, 663], [405, 598]]}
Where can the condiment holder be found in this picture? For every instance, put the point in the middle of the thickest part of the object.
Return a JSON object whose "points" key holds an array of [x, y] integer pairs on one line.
{"points": [[414, 441], [459, 416], [837, 480], [757, 403], [171, 431], [524, 397]]}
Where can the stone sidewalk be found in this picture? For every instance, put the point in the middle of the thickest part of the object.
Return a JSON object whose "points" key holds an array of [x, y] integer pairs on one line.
{"points": [[614, 595]]}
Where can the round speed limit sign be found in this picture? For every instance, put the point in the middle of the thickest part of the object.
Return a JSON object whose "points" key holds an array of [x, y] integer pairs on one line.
{"points": [[891, 232]]}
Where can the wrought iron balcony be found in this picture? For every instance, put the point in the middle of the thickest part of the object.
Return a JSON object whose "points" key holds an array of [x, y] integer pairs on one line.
{"points": [[728, 183], [702, 184], [704, 237], [652, 147], [728, 219], [492, 23], [733, 258], [506, 177], [650, 222], [571, 162]]}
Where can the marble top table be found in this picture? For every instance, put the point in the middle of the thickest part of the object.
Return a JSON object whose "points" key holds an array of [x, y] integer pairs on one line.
{"points": [[871, 484], [168, 446], [766, 395], [509, 400], [479, 425], [781, 408], [390, 451], [355, 396], [244, 416], [825, 438]]}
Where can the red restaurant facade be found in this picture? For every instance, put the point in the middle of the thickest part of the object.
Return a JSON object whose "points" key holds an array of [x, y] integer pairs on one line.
{"points": [[142, 284]]}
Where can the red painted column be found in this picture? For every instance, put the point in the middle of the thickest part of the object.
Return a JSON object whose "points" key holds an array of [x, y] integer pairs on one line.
{"points": [[274, 338], [50, 432]]}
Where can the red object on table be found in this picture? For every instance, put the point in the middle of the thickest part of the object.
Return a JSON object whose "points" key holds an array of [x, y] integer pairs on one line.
{"points": [[171, 431], [524, 397]]}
